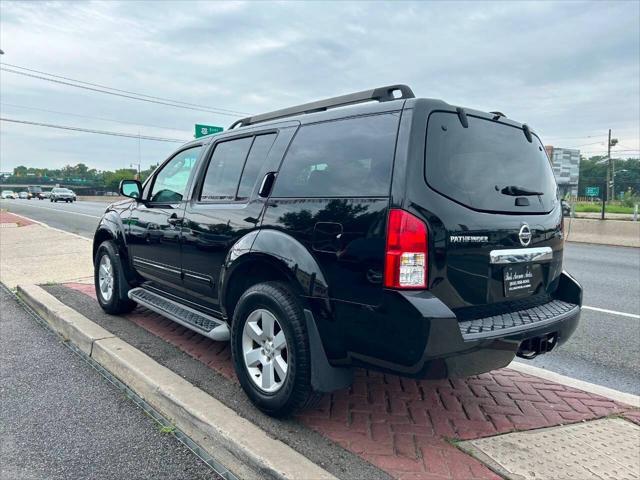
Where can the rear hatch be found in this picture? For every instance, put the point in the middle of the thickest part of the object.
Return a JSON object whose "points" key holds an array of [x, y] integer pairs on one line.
{"points": [[493, 213]]}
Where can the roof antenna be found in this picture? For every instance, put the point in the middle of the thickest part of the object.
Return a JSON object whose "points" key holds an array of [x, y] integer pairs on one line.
{"points": [[497, 115], [527, 132], [463, 117]]}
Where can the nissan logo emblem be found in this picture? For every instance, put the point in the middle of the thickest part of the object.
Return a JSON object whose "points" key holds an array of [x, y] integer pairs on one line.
{"points": [[525, 235]]}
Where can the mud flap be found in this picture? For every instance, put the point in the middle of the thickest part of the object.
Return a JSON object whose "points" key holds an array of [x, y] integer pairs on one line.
{"points": [[325, 378]]}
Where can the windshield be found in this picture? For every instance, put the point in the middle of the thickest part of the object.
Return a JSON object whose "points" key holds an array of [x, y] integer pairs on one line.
{"points": [[488, 166]]}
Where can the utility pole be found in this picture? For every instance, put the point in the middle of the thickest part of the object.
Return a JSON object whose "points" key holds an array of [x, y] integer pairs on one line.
{"points": [[609, 167], [611, 192]]}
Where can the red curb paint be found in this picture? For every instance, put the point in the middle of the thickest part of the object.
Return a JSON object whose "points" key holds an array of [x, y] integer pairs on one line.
{"points": [[87, 289], [6, 217], [402, 425]]}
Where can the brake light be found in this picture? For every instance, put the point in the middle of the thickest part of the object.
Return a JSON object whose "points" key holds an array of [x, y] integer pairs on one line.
{"points": [[406, 253]]}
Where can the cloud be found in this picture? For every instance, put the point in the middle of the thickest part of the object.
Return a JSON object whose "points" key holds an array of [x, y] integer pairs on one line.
{"points": [[569, 69]]}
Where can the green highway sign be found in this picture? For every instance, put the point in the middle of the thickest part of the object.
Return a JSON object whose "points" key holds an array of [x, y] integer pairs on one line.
{"points": [[202, 130], [592, 191]]}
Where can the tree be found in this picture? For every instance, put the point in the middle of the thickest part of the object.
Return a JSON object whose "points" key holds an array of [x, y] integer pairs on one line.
{"points": [[20, 171], [112, 179], [593, 172]]}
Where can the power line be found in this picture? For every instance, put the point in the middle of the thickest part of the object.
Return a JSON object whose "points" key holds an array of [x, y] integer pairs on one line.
{"points": [[87, 130], [574, 138], [235, 112], [587, 144], [625, 146], [199, 109], [87, 116]]}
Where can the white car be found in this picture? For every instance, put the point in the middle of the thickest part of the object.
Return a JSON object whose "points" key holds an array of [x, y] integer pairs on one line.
{"points": [[8, 194], [62, 195]]}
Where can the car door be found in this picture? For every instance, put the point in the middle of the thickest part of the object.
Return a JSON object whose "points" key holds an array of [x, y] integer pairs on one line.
{"points": [[225, 207], [155, 222]]}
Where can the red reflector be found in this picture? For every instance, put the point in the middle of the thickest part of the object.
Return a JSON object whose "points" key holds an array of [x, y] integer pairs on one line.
{"points": [[406, 251]]}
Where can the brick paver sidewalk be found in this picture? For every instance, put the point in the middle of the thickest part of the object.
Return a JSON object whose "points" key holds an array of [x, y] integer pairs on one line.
{"points": [[406, 427]]}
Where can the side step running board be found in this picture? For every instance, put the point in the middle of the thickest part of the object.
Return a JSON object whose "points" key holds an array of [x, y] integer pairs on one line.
{"points": [[214, 328]]}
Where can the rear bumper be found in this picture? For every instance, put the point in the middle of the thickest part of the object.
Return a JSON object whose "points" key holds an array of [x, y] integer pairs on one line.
{"points": [[452, 348]]}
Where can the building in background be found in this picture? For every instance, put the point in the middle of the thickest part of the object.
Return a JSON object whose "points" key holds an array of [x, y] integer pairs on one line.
{"points": [[566, 168]]}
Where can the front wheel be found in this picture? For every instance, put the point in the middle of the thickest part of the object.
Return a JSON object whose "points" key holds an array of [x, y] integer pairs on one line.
{"points": [[107, 268], [270, 349]]}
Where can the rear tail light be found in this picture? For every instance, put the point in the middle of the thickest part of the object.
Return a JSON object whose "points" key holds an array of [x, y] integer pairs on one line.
{"points": [[406, 253]]}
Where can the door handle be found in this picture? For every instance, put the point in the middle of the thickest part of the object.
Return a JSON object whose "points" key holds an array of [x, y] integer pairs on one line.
{"points": [[267, 184], [174, 220]]}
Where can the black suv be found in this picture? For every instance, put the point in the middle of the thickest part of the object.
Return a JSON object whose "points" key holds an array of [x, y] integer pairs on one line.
{"points": [[401, 234]]}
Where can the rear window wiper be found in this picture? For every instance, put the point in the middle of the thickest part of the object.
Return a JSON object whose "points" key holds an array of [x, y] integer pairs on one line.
{"points": [[516, 191]]}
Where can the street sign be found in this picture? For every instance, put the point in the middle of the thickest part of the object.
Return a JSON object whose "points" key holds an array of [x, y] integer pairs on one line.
{"points": [[202, 130], [592, 191]]}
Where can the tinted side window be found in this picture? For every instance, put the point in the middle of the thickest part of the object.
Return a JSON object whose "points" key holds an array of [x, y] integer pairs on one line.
{"points": [[223, 172], [259, 151], [343, 158], [170, 183]]}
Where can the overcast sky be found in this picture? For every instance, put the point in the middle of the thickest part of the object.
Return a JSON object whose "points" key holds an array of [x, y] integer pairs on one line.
{"points": [[571, 70]]}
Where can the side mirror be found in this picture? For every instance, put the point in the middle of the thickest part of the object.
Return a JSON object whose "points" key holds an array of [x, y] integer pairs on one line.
{"points": [[267, 184], [131, 189]]}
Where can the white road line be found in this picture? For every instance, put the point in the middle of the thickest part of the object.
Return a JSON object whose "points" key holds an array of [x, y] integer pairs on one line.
{"points": [[42, 224], [612, 312], [56, 210]]}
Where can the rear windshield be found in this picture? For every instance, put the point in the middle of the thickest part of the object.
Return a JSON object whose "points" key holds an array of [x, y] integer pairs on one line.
{"points": [[488, 165]]}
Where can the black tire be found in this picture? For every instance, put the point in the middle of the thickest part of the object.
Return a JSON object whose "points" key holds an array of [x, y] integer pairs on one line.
{"points": [[119, 302], [296, 391]]}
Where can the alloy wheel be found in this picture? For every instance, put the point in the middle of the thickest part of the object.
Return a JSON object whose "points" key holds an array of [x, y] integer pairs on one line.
{"points": [[105, 277], [264, 348]]}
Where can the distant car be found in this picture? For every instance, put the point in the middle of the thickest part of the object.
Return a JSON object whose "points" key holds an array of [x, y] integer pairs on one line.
{"points": [[62, 195], [24, 196], [44, 195], [566, 208], [35, 192], [8, 194]]}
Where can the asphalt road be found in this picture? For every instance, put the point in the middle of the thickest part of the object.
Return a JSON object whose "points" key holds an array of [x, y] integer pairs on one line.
{"points": [[59, 419], [604, 350], [79, 217]]}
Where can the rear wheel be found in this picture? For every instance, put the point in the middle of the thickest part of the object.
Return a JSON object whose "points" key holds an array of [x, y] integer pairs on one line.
{"points": [[270, 349], [107, 268]]}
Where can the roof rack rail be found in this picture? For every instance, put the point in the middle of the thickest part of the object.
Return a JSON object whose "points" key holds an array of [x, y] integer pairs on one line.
{"points": [[380, 94]]}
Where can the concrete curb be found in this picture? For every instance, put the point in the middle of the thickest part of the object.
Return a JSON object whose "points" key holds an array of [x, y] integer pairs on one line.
{"points": [[70, 324], [243, 448], [616, 395]]}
